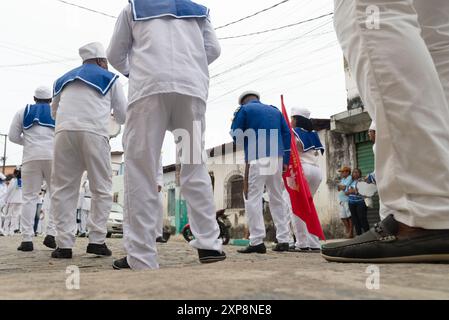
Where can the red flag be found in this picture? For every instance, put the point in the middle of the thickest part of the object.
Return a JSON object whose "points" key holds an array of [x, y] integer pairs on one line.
{"points": [[298, 188]]}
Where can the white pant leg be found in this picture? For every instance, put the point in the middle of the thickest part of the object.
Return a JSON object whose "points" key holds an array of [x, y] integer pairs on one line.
{"points": [[83, 223], [160, 221], [299, 227], [96, 154], [50, 228], [16, 212], [275, 187], [314, 177], [401, 87], [68, 168], [146, 124], [433, 17], [188, 115], [33, 178], [7, 221], [253, 205]]}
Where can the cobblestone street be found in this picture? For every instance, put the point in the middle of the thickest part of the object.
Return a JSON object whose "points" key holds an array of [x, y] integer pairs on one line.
{"points": [[272, 276]]}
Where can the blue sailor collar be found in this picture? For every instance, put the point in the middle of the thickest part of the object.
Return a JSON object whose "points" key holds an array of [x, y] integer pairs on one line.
{"points": [[38, 114], [180, 9], [309, 140], [91, 74]]}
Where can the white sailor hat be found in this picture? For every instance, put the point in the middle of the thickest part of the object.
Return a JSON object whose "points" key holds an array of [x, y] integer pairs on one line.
{"points": [[2, 177], [43, 93], [248, 93], [303, 112], [92, 50], [373, 126]]}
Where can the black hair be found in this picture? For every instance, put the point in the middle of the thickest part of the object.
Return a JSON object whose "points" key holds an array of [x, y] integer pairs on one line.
{"points": [[358, 169], [18, 173], [303, 123], [42, 101]]}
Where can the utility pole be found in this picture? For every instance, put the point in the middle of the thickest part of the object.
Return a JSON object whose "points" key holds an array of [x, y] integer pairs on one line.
{"points": [[4, 152]]}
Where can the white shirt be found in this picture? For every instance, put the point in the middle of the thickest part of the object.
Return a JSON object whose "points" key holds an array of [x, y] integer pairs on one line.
{"points": [[37, 141], [164, 55], [80, 107], [13, 193]]}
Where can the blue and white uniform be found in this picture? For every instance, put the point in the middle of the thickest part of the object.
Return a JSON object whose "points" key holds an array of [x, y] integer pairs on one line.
{"points": [[310, 148], [13, 202], [267, 148], [84, 99], [34, 129], [166, 53]]}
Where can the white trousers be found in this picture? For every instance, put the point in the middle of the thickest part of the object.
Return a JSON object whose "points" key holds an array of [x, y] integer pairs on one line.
{"points": [[34, 173], [402, 70], [76, 152], [12, 219], [84, 215], [303, 238], [146, 123], [160, 221], [258, 178]]}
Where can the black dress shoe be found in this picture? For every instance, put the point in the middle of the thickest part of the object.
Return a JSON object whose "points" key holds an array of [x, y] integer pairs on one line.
{"points": [[82, 235], [121, 264], [315, 250], [62, 254], [99, 249], [26, 246], [210, 256], [391, 242], [161, 240], [50, 242], [260, 248], [281, 247]]}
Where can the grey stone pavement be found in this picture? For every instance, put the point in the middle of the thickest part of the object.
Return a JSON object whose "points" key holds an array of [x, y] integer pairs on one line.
{"points": [[271, 276]]}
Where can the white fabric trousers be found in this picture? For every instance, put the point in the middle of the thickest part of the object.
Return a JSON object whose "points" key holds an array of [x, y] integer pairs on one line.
{"points": [[160, 221], [146, 123], [303, 238], [12, 218], [401, 64], [258, 178], [76, 152], [84, 215], [34, 173]]}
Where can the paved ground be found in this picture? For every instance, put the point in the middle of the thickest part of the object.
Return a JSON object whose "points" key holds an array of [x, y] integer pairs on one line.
{"points": [[272, 276]]}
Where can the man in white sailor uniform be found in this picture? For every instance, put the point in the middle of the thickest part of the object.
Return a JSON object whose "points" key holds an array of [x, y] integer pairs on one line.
{"points": [[82, 104], [165, 47], [267, 150], [34, 129], [310, 148], [13, 200]]}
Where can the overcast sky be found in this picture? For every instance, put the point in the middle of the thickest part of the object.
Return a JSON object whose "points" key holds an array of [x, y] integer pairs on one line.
{"points": [[39, 41]]}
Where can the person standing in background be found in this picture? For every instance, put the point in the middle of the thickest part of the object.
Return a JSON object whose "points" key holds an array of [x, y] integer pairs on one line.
{"points": [[83, 101], [13, 202], [34, 129], [343, 200], [310, 149]]}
